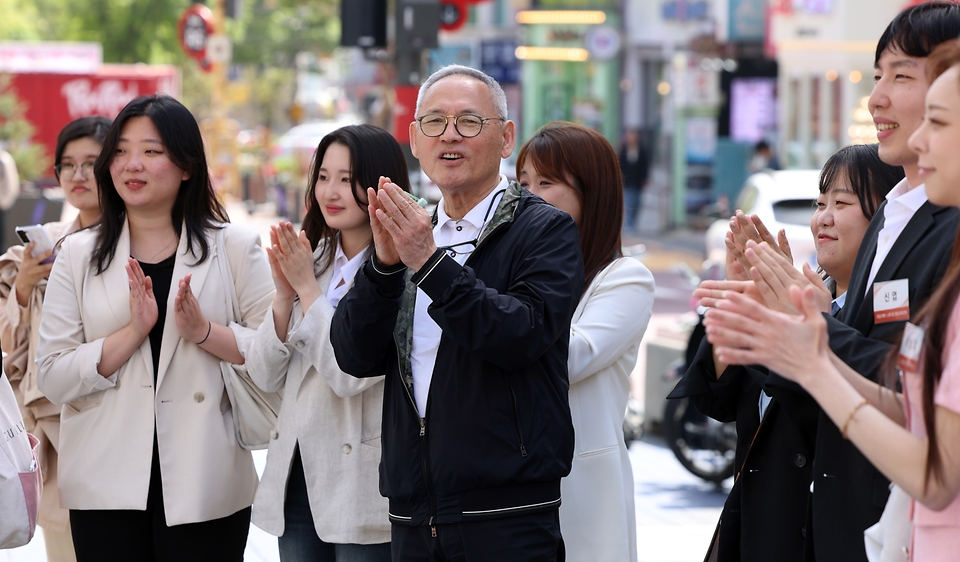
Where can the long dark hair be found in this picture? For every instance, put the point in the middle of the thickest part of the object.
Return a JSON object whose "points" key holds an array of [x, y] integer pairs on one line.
{"points": [[870, 178], [569, 153], [94, 127], [935, 314], [373, 153], [196, 207]]}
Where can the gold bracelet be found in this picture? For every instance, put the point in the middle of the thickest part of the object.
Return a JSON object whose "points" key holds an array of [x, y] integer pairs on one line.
{"points": [[853, 412]]}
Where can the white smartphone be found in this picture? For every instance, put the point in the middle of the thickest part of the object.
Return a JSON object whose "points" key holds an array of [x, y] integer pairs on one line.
{"points": [[41, 240]]}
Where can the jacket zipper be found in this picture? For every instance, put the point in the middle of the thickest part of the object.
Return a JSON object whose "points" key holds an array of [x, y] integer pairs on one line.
{"points": [[427, 480], [516, 419]]}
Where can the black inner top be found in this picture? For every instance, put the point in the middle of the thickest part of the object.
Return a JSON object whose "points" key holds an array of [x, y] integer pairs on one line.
{"points": [[162, 276]]}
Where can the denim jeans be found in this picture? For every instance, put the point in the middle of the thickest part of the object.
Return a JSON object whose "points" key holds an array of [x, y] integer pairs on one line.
{"points": [[631, 205], [300, 542]]}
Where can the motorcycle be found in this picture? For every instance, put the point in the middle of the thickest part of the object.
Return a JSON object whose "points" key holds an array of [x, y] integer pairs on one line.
{"points": [[704, 446]]}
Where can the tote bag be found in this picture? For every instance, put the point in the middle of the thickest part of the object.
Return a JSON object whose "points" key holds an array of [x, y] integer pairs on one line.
{"points": [[889, 539], [255, 412], [20, 481]]}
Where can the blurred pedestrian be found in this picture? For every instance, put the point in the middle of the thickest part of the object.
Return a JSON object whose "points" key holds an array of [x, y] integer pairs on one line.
{"points": [[576, 170], [765, 515], [9, 191], [23, 282], [131, 343], [763, 158], [319, 491], [473, 339], [635, 166]]}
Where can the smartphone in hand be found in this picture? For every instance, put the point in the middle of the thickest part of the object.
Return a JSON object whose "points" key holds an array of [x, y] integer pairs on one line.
{"points": [[41, 240]]}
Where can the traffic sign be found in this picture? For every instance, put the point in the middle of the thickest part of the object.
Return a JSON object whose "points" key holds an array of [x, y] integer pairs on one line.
{"points": [[219, 49], [453, 14], [194, 29]]}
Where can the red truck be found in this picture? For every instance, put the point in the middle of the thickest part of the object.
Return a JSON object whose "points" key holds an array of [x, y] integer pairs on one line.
{"points": [[54, 99]]}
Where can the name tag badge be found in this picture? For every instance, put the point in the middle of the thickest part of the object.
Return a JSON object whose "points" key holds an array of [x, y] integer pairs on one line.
{"points": [[910, 346], [891, 301]]}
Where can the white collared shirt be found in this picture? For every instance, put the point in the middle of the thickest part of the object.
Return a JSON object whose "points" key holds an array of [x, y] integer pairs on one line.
{"points": [[344, 270], [426, 332], [902, 203]]}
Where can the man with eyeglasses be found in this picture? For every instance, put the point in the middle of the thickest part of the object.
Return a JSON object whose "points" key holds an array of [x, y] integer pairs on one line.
{"points": [[468, 314]]}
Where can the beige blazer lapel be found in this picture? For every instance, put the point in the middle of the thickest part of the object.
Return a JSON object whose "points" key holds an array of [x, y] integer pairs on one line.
{"points": [[199, 273], [116, 286]]}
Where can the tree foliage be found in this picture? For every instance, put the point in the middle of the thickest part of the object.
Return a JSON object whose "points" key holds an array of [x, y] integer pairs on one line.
{"points": [[266, 35]]}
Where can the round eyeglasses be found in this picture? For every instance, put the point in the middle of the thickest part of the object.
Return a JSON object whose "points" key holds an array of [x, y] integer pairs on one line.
{"points": [[67, 170], [467, 125]]}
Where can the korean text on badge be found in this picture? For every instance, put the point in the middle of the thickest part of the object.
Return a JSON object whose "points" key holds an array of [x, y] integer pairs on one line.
{"points": [[891, 301], [910, 347]]}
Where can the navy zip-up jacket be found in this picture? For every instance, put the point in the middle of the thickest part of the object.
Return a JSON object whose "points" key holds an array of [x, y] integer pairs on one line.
{"points": [[497, 435]]}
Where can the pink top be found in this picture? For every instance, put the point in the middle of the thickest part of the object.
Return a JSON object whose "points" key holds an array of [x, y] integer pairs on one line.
{"points": [[936, 534]]}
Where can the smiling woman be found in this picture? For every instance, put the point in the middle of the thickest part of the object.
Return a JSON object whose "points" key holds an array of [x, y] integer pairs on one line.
{"points": [[23, 284], [324, 510], [135, 349], [853, 183]]}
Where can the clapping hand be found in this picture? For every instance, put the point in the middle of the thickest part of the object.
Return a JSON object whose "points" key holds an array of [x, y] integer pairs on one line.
{"points": [[292, 262], [143, 303], [744, 332], [407, 223], [773, 275], [745, 228], [192, 325], [382, 240]]}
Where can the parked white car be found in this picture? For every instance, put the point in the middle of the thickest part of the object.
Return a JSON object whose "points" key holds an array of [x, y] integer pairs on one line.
{"points": [[782, 199]]}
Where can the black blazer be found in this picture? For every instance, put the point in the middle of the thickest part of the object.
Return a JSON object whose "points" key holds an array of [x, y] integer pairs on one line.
{"points": [[765, 515], [849, 493]]}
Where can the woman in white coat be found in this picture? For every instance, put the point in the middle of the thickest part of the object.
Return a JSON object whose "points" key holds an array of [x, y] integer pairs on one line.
{"points": [[319, 492], [23, 282], [131, 341], [576, 170]]}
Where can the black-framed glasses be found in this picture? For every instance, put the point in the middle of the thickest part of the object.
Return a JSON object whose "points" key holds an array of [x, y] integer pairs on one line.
{"points": [[467, 125], [69, 169], [454, 252]]}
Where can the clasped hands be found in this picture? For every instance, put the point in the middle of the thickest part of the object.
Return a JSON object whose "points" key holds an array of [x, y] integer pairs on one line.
{"points": [[192, 325], [402, 229], [765, 312]]}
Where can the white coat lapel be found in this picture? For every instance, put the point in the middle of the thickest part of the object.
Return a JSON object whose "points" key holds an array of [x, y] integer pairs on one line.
{"points": [[182, 266], [323, 282], [116, 284], [115, 280]]}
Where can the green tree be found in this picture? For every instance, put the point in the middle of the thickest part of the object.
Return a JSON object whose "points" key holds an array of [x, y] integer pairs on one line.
{"points": [[15, 133]]}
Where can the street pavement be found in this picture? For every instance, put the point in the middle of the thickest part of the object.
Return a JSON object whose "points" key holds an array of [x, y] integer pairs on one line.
{"points": [[676, 511]]}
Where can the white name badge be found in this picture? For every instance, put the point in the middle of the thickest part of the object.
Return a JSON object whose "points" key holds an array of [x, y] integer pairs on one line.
{"points": [[910, 346], [891, 301]]}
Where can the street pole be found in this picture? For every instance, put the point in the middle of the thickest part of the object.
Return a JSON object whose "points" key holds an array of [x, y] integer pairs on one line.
{"points": [[216, 98]]}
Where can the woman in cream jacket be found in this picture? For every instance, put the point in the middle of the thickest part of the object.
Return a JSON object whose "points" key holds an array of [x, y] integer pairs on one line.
{"points": [[149, 463], [23, 282], [319, 492], [576, 170]]}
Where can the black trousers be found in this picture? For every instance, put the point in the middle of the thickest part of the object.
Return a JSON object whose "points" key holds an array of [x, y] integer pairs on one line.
{"points": [[123, 535], [532, 537]]}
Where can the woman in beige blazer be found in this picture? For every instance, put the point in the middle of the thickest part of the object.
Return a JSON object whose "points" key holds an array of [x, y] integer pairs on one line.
{"points": [[131, 342], [23, 282], [319, 492]]}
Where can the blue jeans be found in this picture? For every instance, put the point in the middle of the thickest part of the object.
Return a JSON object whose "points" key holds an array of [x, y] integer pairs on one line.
{"points": [[300, 542], [631, 205]]}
